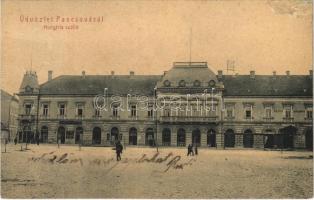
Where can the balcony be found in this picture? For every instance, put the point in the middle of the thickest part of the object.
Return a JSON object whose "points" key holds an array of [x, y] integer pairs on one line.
{"points": [[44, 117], [288, 119], [61, 116], [268, 119], [79, 117], [27, 118], [133, 117], [115, 117], [199, 119]]}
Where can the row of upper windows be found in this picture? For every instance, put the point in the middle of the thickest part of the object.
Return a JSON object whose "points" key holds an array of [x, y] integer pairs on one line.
{"points": [[230, 113], [80, 110], [196, 83], [287, 112]]}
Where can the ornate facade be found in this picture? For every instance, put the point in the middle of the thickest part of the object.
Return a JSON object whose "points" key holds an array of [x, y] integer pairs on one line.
{"points": [[187, 104]]}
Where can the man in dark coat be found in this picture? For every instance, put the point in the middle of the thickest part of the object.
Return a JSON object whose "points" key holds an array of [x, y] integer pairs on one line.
{"points": [[119, 149]]}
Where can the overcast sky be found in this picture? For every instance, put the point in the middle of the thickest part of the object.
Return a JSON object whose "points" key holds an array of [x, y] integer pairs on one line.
{"points": [[148, 36]]}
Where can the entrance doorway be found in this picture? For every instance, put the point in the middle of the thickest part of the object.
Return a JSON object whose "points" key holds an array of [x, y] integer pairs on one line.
{"points": [[166, 137], [248, 139], [96, 136], [61, 134], [229, 138], [309, 139], [196, 137], [211, 138], [133, 136], [149, 137], [181, 137]]}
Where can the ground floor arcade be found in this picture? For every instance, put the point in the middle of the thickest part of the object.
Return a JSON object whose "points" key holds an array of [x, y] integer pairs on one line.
{"points": [[148, 134]]}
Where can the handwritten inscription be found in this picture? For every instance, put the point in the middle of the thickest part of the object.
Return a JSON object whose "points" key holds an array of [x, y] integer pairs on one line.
{"points": [[170, 160]]}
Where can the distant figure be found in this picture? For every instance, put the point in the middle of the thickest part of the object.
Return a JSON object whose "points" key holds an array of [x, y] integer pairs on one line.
{"points": [[190, 150], [37, 139], [196, 151], [15, 140], [119, 149]]}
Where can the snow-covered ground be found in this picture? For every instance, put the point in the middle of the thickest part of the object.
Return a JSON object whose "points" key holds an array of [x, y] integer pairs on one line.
{"points": [[48, 172]]}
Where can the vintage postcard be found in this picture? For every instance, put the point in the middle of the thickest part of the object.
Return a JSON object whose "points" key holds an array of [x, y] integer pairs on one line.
{"points": [[172, 99]]}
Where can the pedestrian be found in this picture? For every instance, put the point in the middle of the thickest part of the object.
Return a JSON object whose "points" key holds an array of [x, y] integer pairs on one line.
{"points": [[119, 149], [192, 152], [37, 138], [196, 151], [189, 149], [15, 141]]}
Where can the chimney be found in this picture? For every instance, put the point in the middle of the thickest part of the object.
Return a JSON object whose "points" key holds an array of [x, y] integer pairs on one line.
{"points": [[274, 73], [49, 75], [252, 74], [288, 73], [131, 73], [112, 73], [83, 74], [219, 74]]}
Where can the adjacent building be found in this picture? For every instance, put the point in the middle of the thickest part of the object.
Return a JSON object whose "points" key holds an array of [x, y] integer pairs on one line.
{"points": [[187, 104], [9, 115]]}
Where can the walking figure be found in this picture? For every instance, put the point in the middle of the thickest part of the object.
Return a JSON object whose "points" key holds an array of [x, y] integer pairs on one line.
{"points": [[190, 150], [15, 141], [119, 149], [196, 151]]}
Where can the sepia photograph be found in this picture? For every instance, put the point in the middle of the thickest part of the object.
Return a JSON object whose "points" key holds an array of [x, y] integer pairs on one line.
{"points": [[163, 99]]}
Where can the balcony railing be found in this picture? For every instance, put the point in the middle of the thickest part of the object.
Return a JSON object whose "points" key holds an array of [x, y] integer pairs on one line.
{"points": [[268, 119], [115, 117], [133, 117], [188, 118], [27, 117], [80, 117], [44, 116], [288, 119], [61, 116]]}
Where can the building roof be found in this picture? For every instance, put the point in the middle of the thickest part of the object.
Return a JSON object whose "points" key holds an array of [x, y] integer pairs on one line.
{"points": [[268, 85], [95, 84], [29, 80], [188, 72], [239, 85]]}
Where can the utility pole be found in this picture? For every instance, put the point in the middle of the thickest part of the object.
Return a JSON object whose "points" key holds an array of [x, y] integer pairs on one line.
{"points": [[156, 139]]}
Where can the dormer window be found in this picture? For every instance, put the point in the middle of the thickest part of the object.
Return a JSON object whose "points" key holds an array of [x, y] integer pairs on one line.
{"points": [[182, 83], [197, 83], [28, 89], [167, 83], [211, 83]]}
